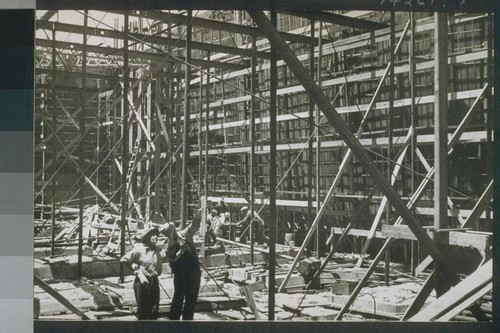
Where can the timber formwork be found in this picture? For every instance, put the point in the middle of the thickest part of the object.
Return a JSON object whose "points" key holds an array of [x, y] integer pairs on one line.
{"points": [[191, 108]]}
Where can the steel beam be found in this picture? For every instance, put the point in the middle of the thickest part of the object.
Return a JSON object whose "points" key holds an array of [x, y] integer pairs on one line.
{"points": [[383, 5], [150, 39], [156, 58], [219, 25], [273, 127], [185, 129], [337, 19], [125, 136]]}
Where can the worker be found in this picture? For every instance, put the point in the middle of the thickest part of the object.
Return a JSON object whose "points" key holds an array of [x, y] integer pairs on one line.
{"points": [[145, 259], [220, 225], [221, 206], [258, 225], [183, 258], [211, 218]]}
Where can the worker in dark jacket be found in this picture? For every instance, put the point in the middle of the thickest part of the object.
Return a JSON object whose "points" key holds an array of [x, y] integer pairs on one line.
{"points": [[181, 253], [146, 259], [221, 207], [257, 223]]}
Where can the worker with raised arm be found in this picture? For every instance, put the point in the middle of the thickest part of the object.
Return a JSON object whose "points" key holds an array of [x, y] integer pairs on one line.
{"points": [[183, 258], [258, 225], [146, 259]]}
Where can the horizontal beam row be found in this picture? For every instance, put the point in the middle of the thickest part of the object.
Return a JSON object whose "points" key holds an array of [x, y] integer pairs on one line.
{"points": [[467, 137], [149, 39], [156, 58], [310, 5]]}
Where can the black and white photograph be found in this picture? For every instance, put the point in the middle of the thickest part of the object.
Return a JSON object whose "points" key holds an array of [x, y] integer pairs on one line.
{"points": [[275, 165]]}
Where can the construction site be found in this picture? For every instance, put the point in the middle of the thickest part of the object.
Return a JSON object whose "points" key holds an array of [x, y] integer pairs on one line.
{"points": [[362, 140]]}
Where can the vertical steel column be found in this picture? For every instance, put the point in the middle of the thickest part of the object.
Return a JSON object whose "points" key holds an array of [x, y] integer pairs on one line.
{"points": [[441, 144], [495, 99], [200, 134], [157, 153], [54, 144], [148, 152], [124, 187], [413, 116], [311, 132], [489, 103], [253, 105], [318, 131], [441, 121], [185, 131], [81, 146], [207, 118], [318, 137], [272, 176], [389, 131]]}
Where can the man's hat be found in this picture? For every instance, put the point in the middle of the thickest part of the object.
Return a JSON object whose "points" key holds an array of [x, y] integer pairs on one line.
{"points": [[147, 233], [243, 208]]}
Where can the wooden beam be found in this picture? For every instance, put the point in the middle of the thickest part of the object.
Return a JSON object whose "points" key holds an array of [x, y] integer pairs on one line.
{"points": [[474, 283], [60, 298], [247, 291], [480, 241]]}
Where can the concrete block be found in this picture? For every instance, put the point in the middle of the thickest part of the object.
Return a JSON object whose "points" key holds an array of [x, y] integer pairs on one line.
{"points": [[343, 287], [308, 266]]}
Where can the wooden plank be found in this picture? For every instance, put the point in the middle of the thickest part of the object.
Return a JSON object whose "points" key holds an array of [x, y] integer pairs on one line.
{"points": [[480, 241], [457, 294], [61, 299], [247, 291], [423, 265], [467, 303]]}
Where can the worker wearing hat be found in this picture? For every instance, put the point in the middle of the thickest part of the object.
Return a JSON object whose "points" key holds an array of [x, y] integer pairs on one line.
{"points": [[211, 219], [146, 259], [258, 224], [183, 258]]}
